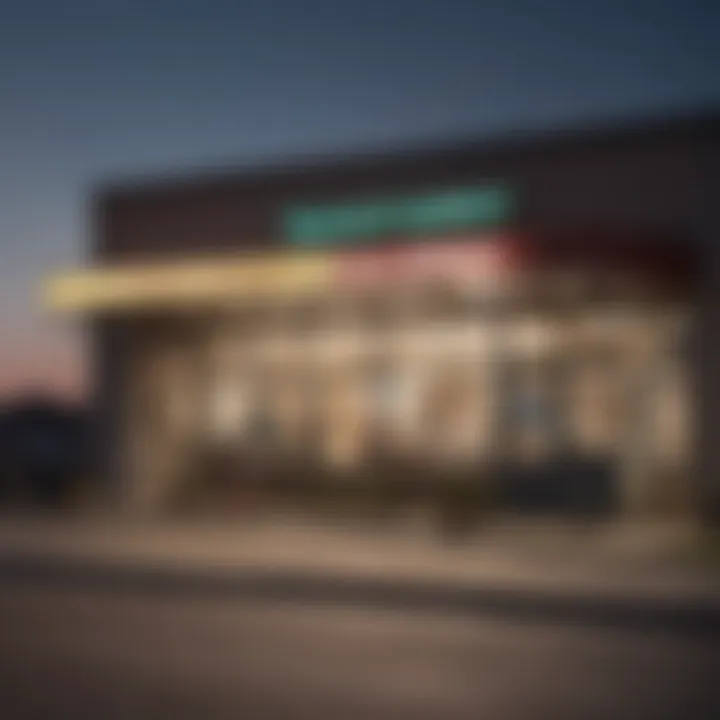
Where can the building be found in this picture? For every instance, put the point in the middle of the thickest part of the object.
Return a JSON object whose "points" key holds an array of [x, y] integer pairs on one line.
{"points": [[532, 317]]}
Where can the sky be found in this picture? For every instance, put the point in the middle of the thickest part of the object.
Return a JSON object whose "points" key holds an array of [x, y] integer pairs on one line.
{"points": [[92, 90]]}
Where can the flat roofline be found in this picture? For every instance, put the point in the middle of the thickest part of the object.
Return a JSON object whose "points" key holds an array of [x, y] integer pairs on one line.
{"points": [[693, 126]]}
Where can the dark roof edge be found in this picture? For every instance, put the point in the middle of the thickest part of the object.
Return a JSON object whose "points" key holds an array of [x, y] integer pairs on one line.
{"points": [[704, 122]]}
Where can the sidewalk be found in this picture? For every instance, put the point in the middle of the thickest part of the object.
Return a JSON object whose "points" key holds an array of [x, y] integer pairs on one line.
{"points": [[622, 566]]}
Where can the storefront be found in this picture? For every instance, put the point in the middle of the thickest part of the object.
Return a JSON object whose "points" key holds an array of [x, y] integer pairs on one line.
{"points": [[363, 324]]}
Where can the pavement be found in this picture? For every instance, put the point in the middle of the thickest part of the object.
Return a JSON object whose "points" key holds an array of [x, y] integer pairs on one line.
{"points": [[66, 652], [627, 574]]}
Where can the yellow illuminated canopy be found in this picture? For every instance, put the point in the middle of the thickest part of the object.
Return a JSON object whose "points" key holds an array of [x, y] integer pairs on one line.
{"points": [[187, 283]]}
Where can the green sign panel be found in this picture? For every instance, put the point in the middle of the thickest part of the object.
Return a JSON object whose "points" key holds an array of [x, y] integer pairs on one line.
{"points": [[446, 211]]}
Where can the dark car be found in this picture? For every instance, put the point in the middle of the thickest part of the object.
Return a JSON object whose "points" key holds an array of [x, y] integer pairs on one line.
{"points": [[44, 450]]}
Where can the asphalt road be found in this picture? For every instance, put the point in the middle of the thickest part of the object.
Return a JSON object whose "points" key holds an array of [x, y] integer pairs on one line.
{"points": [[69, 652]]}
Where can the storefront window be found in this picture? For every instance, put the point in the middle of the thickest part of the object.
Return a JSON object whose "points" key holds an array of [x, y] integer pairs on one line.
{"points": [[231, 408]]}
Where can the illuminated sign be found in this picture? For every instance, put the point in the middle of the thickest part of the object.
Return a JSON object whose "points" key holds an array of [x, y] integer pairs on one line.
{"points": [[445, 211]]}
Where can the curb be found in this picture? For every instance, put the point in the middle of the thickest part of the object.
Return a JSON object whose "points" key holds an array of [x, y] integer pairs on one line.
{"points": [[689, 616]]}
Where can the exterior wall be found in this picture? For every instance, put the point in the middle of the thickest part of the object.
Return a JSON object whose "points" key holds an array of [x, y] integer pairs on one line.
{"points": [[706, 390], [647, 179], [111, 376], [660, 180]]}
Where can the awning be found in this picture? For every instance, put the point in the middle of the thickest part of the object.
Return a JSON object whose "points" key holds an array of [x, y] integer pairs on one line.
{"points": [[188, 283], [237, 279]]}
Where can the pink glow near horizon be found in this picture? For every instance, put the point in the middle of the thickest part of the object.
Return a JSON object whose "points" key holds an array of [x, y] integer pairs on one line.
{"points": [[47, 371]]}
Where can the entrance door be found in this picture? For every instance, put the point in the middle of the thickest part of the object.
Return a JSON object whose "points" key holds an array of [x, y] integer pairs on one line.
{"points": [[543, 468]]}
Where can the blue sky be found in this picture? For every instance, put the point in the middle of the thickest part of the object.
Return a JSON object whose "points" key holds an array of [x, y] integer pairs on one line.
{"points": [[93, 89]]}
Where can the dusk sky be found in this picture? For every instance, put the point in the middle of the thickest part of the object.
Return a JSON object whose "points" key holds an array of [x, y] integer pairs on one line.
{"points": [[92, 90]]}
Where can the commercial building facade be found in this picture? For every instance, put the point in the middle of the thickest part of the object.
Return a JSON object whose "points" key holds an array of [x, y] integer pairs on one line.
{"points": [[530, 318]]}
